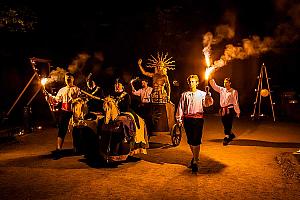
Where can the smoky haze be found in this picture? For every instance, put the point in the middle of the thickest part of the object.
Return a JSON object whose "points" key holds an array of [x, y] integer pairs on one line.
{"points": [[285, 33]]}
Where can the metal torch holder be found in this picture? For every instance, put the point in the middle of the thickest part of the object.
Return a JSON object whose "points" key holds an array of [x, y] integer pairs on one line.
{"points": [[263, 74], [36, 74]]}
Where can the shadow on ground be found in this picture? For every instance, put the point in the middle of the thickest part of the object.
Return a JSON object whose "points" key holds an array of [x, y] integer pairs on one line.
{"points": [[157, 145], [177, 156], [68, 160], [245, 142], [101, 163], [44, 161]]}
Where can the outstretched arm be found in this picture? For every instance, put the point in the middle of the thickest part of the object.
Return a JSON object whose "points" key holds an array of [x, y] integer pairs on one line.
{"points": [[137, 93], [214, 85], [149, 74]]}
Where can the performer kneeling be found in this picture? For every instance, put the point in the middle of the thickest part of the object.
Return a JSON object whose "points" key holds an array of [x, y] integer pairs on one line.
{"points": [[190, 112]]}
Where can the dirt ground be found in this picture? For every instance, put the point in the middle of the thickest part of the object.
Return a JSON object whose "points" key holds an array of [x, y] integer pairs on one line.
{"points": [[259, 164]]}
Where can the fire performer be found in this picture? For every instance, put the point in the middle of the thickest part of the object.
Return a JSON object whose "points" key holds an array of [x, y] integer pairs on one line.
{"points": [[190, 112], [65, 95], [229, 107]]}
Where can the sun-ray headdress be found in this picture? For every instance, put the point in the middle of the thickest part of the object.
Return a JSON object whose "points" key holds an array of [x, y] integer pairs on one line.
{"points": [[161, 60]]}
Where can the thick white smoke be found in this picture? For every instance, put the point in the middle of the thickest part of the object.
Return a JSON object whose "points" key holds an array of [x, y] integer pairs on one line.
{"points": [[285, 33]]}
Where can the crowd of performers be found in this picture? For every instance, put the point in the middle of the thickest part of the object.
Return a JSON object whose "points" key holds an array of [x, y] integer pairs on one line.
{"points": [[189, 113]]}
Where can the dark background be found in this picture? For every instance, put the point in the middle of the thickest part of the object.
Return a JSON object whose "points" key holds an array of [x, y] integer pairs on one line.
{"points": [[128, 30]]}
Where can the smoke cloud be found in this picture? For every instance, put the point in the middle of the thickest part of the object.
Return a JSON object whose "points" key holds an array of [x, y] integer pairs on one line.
{"points": [[78, 64], [57, 75], [285, 33], [222, 32]]}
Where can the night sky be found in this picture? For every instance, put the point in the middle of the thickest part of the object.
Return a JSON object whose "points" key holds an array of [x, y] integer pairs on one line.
{"points": [[128, 30]]}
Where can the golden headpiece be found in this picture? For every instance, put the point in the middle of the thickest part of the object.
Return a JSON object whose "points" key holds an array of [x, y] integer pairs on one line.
{"points": [[161, 61]]}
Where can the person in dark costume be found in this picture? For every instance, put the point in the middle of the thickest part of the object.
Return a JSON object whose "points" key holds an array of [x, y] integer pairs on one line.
{"points": [[92, 88]]}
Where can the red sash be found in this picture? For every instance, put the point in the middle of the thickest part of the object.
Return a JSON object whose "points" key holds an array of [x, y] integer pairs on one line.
{"points": [[66, 106], [196, 115]]}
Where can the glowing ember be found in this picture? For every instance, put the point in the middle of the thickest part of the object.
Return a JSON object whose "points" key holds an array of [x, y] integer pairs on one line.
{"points": [[44, 81]]}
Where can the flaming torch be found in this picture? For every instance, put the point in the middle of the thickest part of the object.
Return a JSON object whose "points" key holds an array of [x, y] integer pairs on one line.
{"points": [[43, 82], [209, 69], [206, 52], [51, 102]]}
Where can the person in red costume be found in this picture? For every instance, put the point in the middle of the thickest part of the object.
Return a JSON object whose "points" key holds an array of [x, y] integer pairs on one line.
{"points": [[65, 95]]}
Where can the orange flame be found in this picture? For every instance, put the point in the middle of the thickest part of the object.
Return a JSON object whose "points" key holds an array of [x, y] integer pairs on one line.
{"points": [[206, 51], [44, 81], [208, 71], [207, 60]]}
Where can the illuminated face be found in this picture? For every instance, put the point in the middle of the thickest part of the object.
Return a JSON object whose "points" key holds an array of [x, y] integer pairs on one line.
{"points": [[227, 84], [118, 87], [69, 79], [160, 66], [193, 83], [144, 84]]}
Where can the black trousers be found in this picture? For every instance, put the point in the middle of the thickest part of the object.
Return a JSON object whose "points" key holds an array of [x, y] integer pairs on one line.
{"points": [[227, 121], [63, 123], [193, 128]]}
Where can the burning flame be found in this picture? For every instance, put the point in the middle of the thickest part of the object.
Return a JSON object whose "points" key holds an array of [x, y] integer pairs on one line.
{"points": [[206, 51], [208, 71], [44, 81]]}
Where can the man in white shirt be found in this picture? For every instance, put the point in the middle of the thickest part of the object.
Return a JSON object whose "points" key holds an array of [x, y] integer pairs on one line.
{"points": [[144, 92], [145, 95], [190, 112], [65, 95], [229, 107]]}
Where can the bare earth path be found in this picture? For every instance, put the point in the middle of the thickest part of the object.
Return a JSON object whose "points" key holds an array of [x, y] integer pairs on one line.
{"points": [[246, 169]]}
